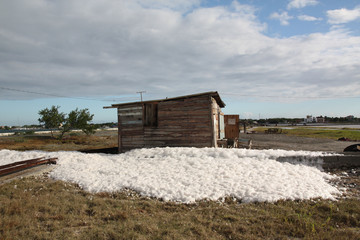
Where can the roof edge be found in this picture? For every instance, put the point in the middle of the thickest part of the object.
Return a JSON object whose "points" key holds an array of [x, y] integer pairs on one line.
{"points": [[213, 94]]}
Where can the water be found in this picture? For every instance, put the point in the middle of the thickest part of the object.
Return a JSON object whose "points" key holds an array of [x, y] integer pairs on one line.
{"points": [[24, 130]]}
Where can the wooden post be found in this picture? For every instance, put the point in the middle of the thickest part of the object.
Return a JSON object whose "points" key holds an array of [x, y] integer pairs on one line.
{"points": [[120, 147], [213, 130]]}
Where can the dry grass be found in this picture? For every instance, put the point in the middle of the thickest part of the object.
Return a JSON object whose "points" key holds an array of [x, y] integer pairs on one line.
{"points": [[41, 208], [71, 142], [313, 132]]}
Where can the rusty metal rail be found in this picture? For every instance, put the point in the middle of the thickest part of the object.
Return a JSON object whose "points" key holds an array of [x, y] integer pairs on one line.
{"points": [[22, 165]]}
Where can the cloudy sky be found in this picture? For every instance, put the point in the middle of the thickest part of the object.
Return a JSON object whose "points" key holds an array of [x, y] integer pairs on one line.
{"points": [[274, 58]]}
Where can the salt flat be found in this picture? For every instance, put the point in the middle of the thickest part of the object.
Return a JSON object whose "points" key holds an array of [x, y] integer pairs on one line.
{"points": [[187, 175]]}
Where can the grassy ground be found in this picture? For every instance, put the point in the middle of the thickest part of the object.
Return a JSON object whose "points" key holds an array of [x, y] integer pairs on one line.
{"points": [[39, 208], [353, 134]]}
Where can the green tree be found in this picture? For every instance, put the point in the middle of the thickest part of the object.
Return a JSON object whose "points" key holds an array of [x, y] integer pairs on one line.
{"points": [[51, 118], [79, 119], [76, 119]]}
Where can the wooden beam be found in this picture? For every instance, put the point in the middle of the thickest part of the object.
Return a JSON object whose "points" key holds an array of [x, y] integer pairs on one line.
{"points": [[213, 131], [22, 165], [120, 147]]}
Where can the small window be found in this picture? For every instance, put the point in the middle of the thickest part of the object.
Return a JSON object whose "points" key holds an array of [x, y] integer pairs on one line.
{"points": [[150, 114]]}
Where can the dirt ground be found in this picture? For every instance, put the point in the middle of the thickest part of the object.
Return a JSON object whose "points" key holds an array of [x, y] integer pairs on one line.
{"points": [[287, 142]]}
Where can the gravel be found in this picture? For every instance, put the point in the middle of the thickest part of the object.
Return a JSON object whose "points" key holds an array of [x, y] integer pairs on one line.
{"points": [[286, 142]]}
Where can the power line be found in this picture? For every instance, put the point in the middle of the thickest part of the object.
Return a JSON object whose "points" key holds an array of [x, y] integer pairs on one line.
{"points": [[287, 97], [61, 96], [141, 92]]}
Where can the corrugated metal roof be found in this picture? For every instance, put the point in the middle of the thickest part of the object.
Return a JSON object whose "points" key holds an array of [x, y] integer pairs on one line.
{"points": [[214, 94]]}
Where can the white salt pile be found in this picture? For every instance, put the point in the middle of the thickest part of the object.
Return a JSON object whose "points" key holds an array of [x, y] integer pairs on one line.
{"points": [[190, 174]]}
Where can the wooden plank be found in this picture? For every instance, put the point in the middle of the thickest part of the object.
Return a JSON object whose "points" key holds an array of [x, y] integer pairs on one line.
{"points": [[135, 114], [213, 130], [133, 133], [132, 122], [134, 145], [179, 108], [170, 107], [119, 134], [184, 115], [184, 122], [132, 130], [133, 138], [18, 166], [174, 124], [131, 118], [184, 139], [188, 130], [200, 117], [20, 162], [176, 107], [126, 109]]}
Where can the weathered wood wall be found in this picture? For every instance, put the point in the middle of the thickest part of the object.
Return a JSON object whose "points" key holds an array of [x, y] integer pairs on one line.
{"points": [[130, 124], [215, 111], [185, 122]]}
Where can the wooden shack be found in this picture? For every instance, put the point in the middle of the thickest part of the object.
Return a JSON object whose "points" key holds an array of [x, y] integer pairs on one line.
{"points": [[186, 121]]}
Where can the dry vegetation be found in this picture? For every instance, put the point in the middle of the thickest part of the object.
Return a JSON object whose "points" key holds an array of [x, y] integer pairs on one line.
{"points": [[313, 132], [41, 208], [72, 142]]}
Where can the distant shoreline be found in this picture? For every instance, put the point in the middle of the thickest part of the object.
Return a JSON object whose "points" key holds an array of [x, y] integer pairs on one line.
{"points": [[10, 132]]}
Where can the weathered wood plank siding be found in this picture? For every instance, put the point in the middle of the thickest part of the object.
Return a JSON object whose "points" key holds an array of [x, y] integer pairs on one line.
{"points": [[182, 122], [215, 112], [130, 127], [188, 122]]}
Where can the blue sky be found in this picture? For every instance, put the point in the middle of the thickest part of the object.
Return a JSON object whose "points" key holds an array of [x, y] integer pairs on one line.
{"points": [[274, 58]]}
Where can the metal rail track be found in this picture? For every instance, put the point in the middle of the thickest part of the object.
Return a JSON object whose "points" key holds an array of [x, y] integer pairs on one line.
{"points": [[22, 165]]}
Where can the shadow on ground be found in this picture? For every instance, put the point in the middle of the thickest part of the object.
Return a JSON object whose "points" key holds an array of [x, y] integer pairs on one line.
{"points": [[113, 150]]}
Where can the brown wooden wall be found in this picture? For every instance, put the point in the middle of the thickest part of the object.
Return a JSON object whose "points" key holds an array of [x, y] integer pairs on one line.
{"points": [[181, 122], [130, 124]]}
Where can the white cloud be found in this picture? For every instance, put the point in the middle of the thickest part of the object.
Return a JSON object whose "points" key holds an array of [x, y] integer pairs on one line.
{"points": [[343, 15], [110, 48], [179, 5], [282, 17], [308, 18], [301, 3]]}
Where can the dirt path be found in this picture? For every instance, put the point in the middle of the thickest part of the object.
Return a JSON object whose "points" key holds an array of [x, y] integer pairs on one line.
{"points": [[286, 142]]}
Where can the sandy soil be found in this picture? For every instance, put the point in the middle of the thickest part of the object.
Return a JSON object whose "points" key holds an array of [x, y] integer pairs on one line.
{"points": [[286, 142]]}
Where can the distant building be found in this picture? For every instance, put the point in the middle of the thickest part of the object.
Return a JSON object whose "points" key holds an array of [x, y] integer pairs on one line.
{"points": [[320, 119], [309, 119], [350, 117]]}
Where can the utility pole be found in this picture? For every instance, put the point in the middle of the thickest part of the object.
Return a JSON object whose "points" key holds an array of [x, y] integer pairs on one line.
{"points": [[141, 92]]}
